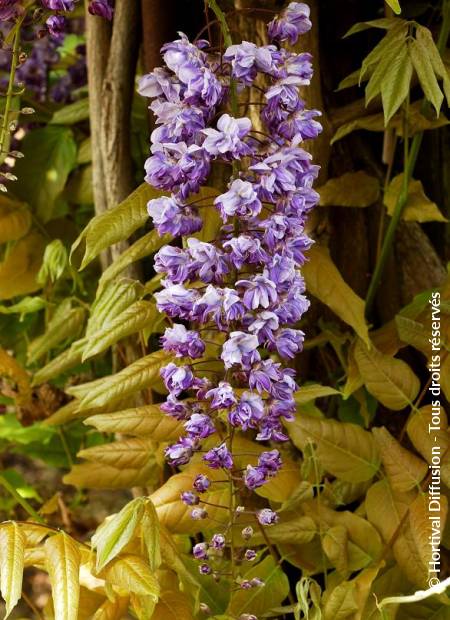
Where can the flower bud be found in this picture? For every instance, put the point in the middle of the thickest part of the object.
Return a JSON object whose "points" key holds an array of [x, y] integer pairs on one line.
{"points": [[199, 513], [247, 532], [204, 608], [250, 555]]}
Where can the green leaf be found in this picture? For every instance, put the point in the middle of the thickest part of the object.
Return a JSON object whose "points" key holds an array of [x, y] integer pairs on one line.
{"points": [[140, 375], [396, 83], [85, 151], [65, 324], [146, 245], [425, 38], [112, 301], [375, 122], [114, 225], [133, 319], [385, 23], [376, 55], [63, 564], [418, 208], [395, 6], [79, 189], [324, 281], [388, 379], [27, 305], [12, 559], [151, 535], [425, 73], [116, 532], [311, 391], [260, 599], [50, 154], [352, 189], [394, 46], [71, 113], [61, 363]]}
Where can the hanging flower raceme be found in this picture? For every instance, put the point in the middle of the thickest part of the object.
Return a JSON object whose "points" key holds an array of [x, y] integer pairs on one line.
{"points": [[246, 284]]}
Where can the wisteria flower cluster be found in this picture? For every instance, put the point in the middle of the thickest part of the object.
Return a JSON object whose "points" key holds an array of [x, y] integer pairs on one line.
{"points": [[56, 22], [251, 290]]}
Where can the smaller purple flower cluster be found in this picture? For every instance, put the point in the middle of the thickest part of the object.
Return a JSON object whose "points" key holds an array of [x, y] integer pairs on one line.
{"points": [[57, 24]]}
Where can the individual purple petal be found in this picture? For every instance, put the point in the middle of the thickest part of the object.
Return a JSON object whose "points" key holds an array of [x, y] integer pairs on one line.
{"points": [[183, 342], [241, 200]]}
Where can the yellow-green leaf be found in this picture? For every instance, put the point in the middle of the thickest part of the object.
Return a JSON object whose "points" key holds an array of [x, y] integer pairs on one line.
{"points": [[311, 391], [324, 281], [390, 380], [133, 319], [15, 219], [124, 453], [146, 245], [418, 207], [12, 558], [173, 606], [151, 535], [396, 83], [132, 574], [71, 113], [116, 532], [146, 421], [62, 362], [111, 300], [97, 475], [404, 470], [345, 450], [65, 324], [426, 437], [141, 374], [63, 566], [425, 73], [10, 368]]}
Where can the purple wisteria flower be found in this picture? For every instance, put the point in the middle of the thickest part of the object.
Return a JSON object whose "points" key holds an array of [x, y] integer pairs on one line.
{"points": [[293, 22], [183, 342], [241, 199], [102, 8], [240, 289]]}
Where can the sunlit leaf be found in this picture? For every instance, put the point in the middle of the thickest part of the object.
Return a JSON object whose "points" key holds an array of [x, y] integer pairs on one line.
{"points": [[388, 379], [112, 610], [404, 470], [151, 535], [173, 606], [146, 245], [396, 83], [132, 574], [111, 300], [61, 363], [12, 542], [113, 534], [428, 431], [63, 565], [147, 421], [427, 78], [124, 453], [65, 324], [345, 450], [97, 475], [311, 391], [139, 375], [133, 319], [324, 281]]}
